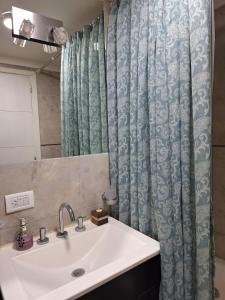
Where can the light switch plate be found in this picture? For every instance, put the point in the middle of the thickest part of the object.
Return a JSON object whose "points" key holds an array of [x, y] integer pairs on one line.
{"points": [[19, 201]]}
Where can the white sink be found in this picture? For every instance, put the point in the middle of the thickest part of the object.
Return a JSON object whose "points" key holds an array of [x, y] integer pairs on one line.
{"points": [[44, 272]]}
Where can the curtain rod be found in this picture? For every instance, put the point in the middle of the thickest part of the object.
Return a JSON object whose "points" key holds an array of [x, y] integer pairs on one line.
{"points": [[53, 58]]}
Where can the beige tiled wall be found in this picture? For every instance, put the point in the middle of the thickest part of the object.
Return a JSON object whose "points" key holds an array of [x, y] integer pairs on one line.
{"points": [[80, 181], [219, 143]]}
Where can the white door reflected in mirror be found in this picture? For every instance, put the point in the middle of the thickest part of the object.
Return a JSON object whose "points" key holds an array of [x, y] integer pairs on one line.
{"points": [[19, 123]]}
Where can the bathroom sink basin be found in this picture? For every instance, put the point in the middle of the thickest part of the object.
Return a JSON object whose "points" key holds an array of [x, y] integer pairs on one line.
{"points": [[69, 268]]}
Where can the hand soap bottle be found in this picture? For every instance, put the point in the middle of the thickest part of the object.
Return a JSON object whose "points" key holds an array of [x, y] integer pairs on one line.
{"points": [[24, 240]]}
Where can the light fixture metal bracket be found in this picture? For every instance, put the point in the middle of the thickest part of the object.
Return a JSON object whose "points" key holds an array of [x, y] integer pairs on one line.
{"points": [[42, 25]]}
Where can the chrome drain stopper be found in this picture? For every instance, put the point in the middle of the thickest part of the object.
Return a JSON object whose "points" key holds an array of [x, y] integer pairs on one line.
{"points": [[78, 272]]}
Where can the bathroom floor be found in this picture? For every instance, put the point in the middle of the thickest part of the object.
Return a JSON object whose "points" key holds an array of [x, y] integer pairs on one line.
{"points": [[220, 278]]}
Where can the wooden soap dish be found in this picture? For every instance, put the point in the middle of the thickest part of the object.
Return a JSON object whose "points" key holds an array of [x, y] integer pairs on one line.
{"points": [[99, 216]]}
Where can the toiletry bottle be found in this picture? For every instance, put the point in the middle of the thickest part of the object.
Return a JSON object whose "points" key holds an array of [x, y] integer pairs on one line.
{"points": [[24, 240]]}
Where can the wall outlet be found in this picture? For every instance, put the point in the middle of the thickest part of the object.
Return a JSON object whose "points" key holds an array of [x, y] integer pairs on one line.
{"points": [[19, 201]]}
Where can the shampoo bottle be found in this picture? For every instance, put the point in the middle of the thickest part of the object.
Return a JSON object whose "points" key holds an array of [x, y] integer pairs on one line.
{"points": [[24, 240]]}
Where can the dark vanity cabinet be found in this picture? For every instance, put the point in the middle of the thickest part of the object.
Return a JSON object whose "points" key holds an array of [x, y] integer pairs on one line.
{"points": [[139, 283]]}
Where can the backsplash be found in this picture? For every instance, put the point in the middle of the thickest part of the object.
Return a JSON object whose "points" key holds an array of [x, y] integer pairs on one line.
{"points": [[80, 181]]}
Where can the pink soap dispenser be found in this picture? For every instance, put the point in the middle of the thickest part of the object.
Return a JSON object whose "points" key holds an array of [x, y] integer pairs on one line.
{"points": [[24, 240]]}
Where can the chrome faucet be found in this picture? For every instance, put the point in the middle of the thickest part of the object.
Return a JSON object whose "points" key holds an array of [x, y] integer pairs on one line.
{"points": [[62, 233]]}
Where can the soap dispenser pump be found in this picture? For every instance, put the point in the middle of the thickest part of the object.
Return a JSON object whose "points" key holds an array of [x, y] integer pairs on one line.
{"points": [[24, 240]]}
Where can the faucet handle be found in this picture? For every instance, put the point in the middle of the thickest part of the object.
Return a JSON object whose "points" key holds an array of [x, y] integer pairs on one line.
{"points": [[43, 239], [80, 224]]}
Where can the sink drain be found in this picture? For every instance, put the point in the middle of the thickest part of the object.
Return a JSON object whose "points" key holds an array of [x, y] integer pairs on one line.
{"points": [[78, 272]]}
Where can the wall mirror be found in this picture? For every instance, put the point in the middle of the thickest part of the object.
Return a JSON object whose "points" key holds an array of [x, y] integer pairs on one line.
{"points": [[41, 115]]}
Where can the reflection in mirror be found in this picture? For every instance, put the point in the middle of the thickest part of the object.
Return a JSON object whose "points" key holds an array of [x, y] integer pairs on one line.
{"points": [[35, 122], [83, 94]]}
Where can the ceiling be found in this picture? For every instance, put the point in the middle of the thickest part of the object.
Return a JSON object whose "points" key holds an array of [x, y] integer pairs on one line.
{"points": [[74, 14]]}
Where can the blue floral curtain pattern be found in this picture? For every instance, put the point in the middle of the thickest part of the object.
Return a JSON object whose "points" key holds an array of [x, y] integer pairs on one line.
{"points": [[83, 92], [159, 91]]}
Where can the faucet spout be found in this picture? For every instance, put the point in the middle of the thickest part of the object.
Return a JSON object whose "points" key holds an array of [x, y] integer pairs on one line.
{"points": [[69, 209], [62, 233]]}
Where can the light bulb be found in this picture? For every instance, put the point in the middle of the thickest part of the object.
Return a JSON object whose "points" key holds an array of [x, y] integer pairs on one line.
{"points": [[8, 23], [7, 19], [27, 29], [49, 49], [19, 42]]}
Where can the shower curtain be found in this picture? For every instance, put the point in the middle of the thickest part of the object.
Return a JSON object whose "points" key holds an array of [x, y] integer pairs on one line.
{"points": [[159, 118], [83, 92]]}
